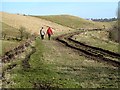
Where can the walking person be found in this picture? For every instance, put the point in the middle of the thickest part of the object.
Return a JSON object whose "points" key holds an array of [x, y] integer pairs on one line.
{"points": [[49, 32], [42, 33]]}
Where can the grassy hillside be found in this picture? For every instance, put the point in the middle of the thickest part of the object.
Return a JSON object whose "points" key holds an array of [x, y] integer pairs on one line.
{"points": [[8, 30], [74, 22], [12, 22], [32, 24]]}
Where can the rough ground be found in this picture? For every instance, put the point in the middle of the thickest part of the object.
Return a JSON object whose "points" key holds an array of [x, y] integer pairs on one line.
{"points": [[83, 72], [55, 65]]}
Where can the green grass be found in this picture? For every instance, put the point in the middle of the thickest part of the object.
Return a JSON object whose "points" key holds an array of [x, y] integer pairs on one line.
{"points": [[74, 22], [61, 67], [98, 39], [39, 72]]}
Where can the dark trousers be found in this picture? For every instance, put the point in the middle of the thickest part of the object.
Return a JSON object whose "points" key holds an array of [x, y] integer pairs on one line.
{"points": [[49, 36], [42, 37]]}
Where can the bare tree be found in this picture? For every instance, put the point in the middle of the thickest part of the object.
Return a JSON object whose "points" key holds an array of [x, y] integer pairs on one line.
{"points": [[22, 30], [27, 34]]}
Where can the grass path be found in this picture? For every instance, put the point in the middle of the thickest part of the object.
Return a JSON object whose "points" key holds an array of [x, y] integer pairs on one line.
{"points": [[55, 65]]}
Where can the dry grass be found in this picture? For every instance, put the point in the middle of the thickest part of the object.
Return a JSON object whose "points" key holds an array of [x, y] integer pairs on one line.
{"points": [[32, 24], [75, 22]]}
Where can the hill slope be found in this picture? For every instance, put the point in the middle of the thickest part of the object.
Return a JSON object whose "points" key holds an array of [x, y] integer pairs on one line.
{"points": [[73, 21], [32, 24], [8, 30]]}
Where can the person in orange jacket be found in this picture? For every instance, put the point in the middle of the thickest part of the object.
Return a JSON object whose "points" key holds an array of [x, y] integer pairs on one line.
{"points": [[49, 32]]}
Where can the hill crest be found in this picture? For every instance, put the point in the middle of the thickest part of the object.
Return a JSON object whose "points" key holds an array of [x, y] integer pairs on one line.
{"points": [[32, 24]]}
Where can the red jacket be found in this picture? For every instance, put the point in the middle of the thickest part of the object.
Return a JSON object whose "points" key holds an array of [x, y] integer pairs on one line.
{"points": [[49, 31]]}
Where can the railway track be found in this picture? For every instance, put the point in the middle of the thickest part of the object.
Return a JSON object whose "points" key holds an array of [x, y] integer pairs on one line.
{"points": [[95, 53]]}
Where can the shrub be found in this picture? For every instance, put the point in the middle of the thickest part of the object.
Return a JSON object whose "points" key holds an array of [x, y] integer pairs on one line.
{"points": [[22, 30], [114, 33]]}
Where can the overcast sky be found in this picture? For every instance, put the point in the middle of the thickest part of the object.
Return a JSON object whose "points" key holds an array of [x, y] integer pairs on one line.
{"points": [[82, 9]]}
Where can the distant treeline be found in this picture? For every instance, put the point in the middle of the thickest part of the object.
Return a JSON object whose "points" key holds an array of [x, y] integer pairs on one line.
{"points": [[103, 19]]}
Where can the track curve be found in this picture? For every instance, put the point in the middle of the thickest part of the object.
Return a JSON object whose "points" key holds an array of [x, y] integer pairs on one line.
{"points": [[95, 53]]}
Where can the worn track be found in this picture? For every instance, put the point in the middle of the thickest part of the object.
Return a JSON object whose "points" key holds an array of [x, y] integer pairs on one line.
{"points": [[95, 53]]}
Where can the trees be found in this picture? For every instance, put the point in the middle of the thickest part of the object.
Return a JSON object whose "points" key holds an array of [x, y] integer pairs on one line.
{"points": [[104, 19]]}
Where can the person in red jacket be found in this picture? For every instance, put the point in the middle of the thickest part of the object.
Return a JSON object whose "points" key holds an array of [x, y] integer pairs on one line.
{"points": [[49, 32]]}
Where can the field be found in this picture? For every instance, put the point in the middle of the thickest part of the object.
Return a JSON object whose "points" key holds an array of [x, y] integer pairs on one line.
{"points": [[32, 24], [75, 22], [53, 64], [98, 39]]}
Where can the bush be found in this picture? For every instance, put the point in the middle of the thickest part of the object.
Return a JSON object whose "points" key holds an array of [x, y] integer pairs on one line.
{"points": [[22, 30], [114, 33], [23, 33]]}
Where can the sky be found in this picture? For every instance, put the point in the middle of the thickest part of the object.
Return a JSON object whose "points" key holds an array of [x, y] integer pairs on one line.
{"points": [[84, 9]]}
